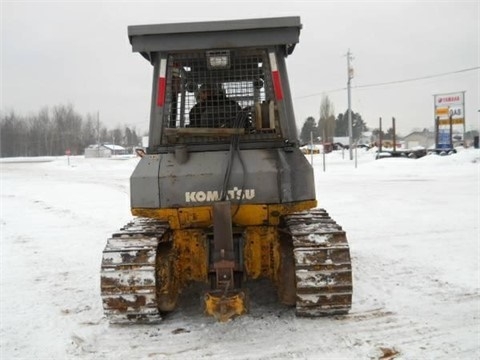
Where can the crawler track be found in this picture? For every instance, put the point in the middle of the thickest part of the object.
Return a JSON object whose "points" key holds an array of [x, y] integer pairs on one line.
{"points": [[128, 281], [322, 264]]}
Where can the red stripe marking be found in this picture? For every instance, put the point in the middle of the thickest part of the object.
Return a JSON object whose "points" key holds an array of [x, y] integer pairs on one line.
{"points": [[277, 85], [161, 91]]}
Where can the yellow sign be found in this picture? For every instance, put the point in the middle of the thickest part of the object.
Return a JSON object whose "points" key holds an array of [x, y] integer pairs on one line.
{"points": [[454, 122], [441, 111]]}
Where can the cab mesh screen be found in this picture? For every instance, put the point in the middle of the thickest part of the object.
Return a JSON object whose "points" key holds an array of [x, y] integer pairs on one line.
{"points": [[219, 89]]}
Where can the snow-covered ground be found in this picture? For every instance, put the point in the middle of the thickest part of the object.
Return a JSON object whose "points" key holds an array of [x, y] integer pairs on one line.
{"points": [[413, 228]]}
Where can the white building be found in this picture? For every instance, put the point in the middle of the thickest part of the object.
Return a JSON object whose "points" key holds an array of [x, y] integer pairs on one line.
{"points": [[104, 150]]}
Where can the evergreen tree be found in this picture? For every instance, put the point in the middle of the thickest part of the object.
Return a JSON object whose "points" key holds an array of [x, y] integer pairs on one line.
{"points": [[309, 128], [358, 125]]}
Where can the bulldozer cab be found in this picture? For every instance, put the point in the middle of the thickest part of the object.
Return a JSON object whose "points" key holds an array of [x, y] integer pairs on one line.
{"points": [[221, 117], [213, 80]]}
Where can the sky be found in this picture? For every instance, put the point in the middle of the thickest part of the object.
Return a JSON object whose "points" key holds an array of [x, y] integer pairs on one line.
{"points": [[77, 52]]}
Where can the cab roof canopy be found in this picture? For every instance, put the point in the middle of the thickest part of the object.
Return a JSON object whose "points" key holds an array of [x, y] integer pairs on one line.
{"points": [[280, 31]]}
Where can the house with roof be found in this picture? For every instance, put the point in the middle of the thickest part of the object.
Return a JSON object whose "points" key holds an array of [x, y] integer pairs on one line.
{"points": [[104, 150], [424, 139]]}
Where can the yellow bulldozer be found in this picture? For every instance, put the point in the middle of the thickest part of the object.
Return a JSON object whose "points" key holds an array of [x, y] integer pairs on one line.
{"points": [[223, 194]]}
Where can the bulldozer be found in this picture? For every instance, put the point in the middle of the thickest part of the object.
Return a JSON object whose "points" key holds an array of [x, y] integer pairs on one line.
{"points": [[223, 195]]}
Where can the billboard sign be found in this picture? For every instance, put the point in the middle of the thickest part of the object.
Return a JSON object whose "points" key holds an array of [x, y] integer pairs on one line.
{"points": [[449, 114], [450, 106]]}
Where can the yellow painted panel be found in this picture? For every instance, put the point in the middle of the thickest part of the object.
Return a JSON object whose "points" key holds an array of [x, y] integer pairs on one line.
{"points": [[170, 215], [261, 252], [195, 217], [252, 254], [191, 250], [250, 214], [246, 215]]}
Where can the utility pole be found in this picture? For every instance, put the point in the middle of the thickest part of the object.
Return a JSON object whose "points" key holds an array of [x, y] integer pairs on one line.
{"points": [[311, 147], [394, 135], [380, 137], [98, 133], [350, 76]]}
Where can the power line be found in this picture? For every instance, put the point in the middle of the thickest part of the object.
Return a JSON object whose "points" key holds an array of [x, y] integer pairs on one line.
{"points": [[417, 78], [391, 82], [321, 93]]}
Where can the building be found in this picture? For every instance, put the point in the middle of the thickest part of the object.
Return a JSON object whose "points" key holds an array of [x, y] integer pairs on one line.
{"points": [[424, 139], [366, 138], [342, 140], [104, 150]]}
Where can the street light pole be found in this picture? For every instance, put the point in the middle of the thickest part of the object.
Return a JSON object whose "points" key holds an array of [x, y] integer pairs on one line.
{"points": [[350, 76]]}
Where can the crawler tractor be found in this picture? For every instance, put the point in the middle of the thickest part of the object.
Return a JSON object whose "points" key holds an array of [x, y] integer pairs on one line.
{"points": [[222, 194]]}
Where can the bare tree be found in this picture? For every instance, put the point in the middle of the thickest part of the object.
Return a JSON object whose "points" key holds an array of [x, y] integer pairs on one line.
{"points": [[327, 120], [12, 134], [52, 131], [90, 130]]}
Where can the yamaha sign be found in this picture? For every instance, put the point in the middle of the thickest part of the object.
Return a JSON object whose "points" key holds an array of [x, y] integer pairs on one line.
{"points": [[449, 99]]}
